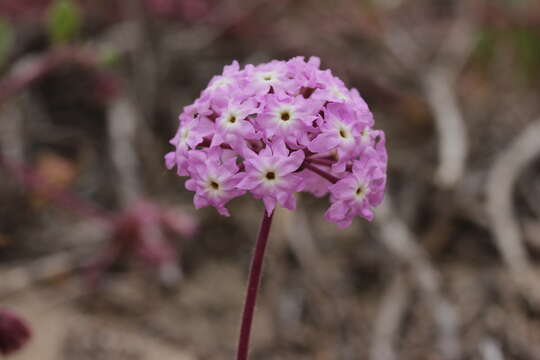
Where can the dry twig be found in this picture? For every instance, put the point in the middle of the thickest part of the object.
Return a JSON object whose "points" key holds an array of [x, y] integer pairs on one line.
{"points": [[319, 278], [438, 85], [500, 186], [399, 239], [490, 350], [388, 320], [123, 124], [453, 144], [122, 128]]}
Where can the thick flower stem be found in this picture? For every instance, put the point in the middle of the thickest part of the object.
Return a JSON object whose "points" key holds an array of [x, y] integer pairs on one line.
{"points": [[253, 287]]}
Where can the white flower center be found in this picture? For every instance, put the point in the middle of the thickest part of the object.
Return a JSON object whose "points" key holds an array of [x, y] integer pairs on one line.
{"points": [[213, 186], [270, 176], [222, 81], [365, 135], [345, 134], [267, 77], [230, 119], [184, 134], [360, 192], [339, 94], [285, 116]]}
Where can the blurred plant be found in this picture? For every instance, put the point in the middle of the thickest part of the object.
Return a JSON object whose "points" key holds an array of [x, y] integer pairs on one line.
{"points": [[527, 44], [6, 41], [524, 43], [138, 232], [179, 9], [14, 332], [23, 9], [28, 70], [273, 130], [64, 21]]}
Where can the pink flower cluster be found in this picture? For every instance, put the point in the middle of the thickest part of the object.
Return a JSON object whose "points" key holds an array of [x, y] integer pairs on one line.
{"points": [[276, 129]]}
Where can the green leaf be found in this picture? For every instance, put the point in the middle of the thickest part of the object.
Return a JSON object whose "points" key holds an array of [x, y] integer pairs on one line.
{"points": [[64, 21], [6, 41]]}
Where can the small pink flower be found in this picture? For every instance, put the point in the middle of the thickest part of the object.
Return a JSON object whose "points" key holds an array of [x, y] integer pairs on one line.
{"points": [[233, 125], [332, 89], [213, 179], [340, 129], [357, 193], [194, 127], [290, 119], [269, 175], [226, 81], [305, 74], [266, 77]]}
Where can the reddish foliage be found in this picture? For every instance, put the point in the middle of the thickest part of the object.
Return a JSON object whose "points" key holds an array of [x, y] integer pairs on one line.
{"points": [[14, 332], [23, 9]]}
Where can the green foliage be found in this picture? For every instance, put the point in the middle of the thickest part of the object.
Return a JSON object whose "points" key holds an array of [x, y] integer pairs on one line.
{"points": [[6, 41], [487, 42], [523, 42], [64, 21], [527, 46], [109, 58]]}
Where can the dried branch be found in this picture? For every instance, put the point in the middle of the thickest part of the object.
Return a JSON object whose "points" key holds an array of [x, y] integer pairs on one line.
{"points": [[388, 320], [319, 279], [122, 126], [456, 49], [490, 350], [453, 144], [400, 241], [123, 121], [500, 185], [439, 87], [438, 83]]}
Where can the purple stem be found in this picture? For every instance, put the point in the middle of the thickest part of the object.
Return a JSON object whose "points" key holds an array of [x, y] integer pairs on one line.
{"points": [[321, 172], [253, 287], [325, 162]]}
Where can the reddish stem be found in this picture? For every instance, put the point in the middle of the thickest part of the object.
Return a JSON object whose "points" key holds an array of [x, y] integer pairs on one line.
{"points": [[321, 173], [253, 287], [325, 162]]}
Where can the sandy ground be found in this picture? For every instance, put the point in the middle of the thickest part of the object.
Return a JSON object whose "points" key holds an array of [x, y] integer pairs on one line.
{"points": [[62, 331]]}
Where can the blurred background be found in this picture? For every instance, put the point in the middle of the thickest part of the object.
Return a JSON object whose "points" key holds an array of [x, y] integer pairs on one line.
{"points": [[103, 254]]}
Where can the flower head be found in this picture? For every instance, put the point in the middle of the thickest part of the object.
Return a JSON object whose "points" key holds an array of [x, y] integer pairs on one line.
{"points": [[276, 129]]}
